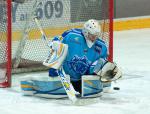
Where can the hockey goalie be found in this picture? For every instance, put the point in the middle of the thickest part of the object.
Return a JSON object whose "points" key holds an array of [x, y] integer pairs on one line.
{"points": [[80, 55]]}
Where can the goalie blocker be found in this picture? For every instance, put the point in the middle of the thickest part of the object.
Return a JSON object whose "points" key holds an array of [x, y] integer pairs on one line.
{"points": [[56, 58]]}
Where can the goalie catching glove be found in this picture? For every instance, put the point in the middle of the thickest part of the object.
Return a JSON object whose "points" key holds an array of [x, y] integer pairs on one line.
{"points": [[109, 72]]}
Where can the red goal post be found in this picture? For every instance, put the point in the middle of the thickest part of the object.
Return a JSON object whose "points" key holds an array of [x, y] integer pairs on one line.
{"points": [[21, 48]]}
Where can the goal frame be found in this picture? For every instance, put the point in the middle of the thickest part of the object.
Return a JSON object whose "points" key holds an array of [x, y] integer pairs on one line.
{"points": [[9, 40]]}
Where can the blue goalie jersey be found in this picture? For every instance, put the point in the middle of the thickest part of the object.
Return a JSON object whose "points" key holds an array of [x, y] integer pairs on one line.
{"points": [[80, 57]]}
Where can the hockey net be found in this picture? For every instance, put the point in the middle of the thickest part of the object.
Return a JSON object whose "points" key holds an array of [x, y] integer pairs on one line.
{"points": [[21, 47]]}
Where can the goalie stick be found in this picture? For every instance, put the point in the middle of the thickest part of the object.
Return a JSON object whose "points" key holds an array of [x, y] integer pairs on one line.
{"points": [[44, 38], [66, 84]]}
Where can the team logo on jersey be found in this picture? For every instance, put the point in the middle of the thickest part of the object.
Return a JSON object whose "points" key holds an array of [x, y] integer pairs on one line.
{"points": [[79, 65], [75, 40]]}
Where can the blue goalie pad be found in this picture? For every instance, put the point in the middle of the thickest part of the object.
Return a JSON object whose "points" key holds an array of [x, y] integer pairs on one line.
{"points": [[51, 88], [91, 86]]}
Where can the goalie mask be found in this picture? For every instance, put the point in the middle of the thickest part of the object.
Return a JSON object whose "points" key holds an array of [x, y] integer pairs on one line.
{"points": [[91, 31]]}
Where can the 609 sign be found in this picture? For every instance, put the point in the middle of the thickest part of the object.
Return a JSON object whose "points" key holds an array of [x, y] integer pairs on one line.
{"points": [[45, 9], [49, 9]]}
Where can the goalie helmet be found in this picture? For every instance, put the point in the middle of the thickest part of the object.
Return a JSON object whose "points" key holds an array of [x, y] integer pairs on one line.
{"points": [[91, 31]]}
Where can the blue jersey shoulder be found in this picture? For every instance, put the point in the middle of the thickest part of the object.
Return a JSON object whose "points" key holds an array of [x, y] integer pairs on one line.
{"points": [[73, 31], [73, 35]]}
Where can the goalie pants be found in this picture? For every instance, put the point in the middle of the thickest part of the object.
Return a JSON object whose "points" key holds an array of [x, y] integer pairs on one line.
{"points": [[77, 85]]}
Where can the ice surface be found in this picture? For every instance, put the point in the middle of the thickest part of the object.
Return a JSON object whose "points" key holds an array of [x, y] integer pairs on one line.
{"points": [[131, 53]]}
